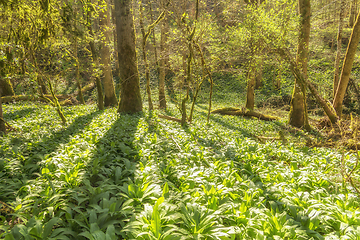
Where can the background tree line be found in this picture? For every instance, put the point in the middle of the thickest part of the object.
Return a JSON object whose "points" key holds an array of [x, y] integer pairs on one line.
{"points": [[59, 51]]}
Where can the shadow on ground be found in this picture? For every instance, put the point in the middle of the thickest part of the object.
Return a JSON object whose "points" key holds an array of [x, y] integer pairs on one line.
{"points": [[23, 157]]}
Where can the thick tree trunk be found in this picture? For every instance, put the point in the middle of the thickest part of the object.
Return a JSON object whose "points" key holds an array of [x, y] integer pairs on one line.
{"points": [[347, 66], [6, 86], [338, 52], [298, 109], [130, 98], [104, 22]]}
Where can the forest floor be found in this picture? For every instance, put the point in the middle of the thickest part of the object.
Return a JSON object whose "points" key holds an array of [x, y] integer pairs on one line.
{"points": [[111, 176]]}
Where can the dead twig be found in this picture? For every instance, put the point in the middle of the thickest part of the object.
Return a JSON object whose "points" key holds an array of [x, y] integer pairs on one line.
{"points": [[8, 125]]}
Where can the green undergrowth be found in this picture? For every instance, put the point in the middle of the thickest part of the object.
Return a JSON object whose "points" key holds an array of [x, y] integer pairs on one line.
{"points": [[110, 176]]}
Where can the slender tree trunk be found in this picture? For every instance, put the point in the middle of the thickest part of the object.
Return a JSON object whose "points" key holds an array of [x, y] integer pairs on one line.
{"points": [[154, 40], [42, 85], [130, 97], [95, 58], [77, 73], [117, 71], [298, 109], [144, 52], [162, 67], [347, 66], [57, 104], [104, 22], [352, 16], [2, 123], [338, 52], [259, 74], [299, 76]]}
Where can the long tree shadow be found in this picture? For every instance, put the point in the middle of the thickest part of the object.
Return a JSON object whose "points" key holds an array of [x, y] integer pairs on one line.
{"points": [[268, 197], [219, 120], [115, 147], [24, 156], [280, 125], [101, 195], [15, 115]]}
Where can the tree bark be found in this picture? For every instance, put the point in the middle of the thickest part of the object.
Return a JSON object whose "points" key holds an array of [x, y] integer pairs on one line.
{"points": [[77, 73], [104, 22], [6, 86], [352, 16], [259, 74], [250, 94], [328, 109], [298, 109], [95, 58], [347, 66], [162, 67], [117, 71], [2, 123], [243, 112], [154, 39], [338, 52], [130, 98], [144, 52]]}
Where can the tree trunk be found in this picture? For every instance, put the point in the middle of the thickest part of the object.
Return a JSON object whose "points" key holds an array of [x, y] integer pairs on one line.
{"points": [[104, 22], [299, 76], [144, 52], [6, 86], [154, 40], [2, 123], [347, 66], [162, 67], [250, 95], [94, 55], [130, 97], [42, 85], [338, 52], [259, 75], [77, 73], [352, 16], [117, 71], [298, 109]]}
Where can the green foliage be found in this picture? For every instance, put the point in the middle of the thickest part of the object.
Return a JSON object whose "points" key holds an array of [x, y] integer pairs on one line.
{"points": [[110, 176]]}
